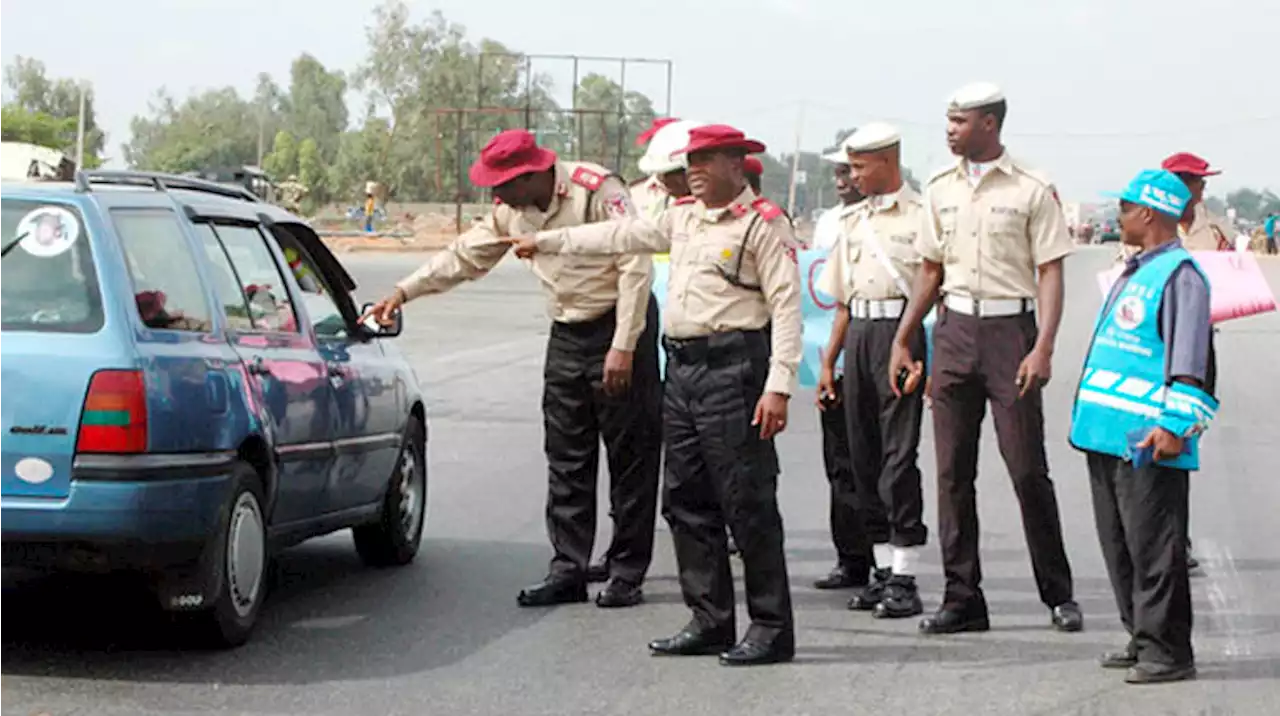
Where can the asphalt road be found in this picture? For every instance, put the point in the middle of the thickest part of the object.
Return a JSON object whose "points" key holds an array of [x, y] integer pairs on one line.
{"points": [[445, 636]]}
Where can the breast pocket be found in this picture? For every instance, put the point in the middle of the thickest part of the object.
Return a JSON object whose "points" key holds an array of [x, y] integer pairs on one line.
{"points": [[1006, 232]]}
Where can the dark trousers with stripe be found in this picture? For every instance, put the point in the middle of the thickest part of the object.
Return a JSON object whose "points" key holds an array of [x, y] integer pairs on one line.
{"points": [[577, 415]]}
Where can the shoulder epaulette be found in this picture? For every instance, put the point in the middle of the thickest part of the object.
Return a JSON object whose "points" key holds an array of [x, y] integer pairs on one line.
{"points": [[583, 176], [1033, 173], [939, 173], [767, 209]]}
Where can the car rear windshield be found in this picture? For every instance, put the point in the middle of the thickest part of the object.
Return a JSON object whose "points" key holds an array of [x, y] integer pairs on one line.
{"points": [[48, 281]]}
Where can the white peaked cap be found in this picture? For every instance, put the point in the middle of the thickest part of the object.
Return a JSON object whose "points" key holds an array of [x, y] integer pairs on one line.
{"points": [[657, 157], [872, 137], [975, 95]]}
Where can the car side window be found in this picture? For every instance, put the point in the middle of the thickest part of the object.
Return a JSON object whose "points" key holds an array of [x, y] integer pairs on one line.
{"points": [[234, 304], [166, 282], [321, 305], [270, 308]]}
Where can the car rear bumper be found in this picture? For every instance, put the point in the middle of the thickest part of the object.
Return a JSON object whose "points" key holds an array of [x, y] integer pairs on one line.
{"points": [[122, 512]]}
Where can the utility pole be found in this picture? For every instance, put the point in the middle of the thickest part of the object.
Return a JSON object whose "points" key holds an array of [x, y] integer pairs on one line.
{"points": [[80, 131], [795, 163], [262, 128]]}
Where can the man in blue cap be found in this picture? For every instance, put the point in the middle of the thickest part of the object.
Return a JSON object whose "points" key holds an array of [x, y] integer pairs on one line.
{"points": [[1140, 407]]}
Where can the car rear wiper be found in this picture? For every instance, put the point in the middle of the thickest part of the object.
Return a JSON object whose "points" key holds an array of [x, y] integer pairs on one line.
{"points": [[9, 246]]}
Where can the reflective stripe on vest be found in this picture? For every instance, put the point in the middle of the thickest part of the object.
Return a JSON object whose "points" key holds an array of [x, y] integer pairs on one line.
{"points": [[1122, 389]]}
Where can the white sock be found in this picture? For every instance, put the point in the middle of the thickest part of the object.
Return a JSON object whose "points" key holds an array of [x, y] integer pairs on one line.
{"points": [[906, 560], [883, 554]]}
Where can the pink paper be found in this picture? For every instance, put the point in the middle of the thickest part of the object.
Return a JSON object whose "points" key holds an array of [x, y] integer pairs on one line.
{"points": [[1237, 286]]}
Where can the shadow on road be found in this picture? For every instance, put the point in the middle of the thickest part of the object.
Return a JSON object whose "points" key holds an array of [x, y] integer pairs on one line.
{"points": [[328, 618]]}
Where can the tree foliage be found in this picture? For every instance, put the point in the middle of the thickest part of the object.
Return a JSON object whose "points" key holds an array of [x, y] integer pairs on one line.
{"points": [[46, 111], [432, 99]]}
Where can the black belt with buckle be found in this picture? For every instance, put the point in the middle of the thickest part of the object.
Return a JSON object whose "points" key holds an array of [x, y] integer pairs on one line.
{"points": [[717, 346]]}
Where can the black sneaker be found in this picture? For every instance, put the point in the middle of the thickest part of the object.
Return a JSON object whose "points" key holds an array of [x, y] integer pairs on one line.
{"points": [[900, 599], [866, 599]]}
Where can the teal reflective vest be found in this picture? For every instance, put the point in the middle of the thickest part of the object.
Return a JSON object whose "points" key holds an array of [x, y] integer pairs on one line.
{"points": [[1123, 390]]}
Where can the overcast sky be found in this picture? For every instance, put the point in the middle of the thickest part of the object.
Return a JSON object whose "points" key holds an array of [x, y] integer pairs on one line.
{"points": [[1097, 88]]}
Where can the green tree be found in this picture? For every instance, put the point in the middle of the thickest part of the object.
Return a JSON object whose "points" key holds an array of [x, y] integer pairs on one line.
{"points": [[46, 111], [606, 138], [283, 159], [213, 130], [316, 106], [1252, 204]]}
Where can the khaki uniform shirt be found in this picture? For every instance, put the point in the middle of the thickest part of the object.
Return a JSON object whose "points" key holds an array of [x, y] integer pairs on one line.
{"points": [[852, 270], [704, 242], [578, 288], [991, 239], [650, 198], [1205, 230]]}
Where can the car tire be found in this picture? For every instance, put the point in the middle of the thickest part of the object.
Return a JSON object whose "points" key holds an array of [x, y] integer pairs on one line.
{"points": [[393, 540], [242, 558]]}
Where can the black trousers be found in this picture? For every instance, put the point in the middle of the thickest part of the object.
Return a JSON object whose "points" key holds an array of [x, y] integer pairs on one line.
{"points": [[975, 361], [577, 414], [718, 471], [884, 435], [849, 520], [1142, 526]]}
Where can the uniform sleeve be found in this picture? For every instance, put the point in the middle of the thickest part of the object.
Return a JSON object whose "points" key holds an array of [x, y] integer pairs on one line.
{"points": [[1050, 239], [631, 235], [833, 281], [469, 257], [1184, 323], [635, 273], [780, 282], [928, 243]]}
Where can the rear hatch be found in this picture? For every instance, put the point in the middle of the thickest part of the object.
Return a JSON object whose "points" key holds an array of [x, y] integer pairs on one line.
{"points": [[52, 343]]}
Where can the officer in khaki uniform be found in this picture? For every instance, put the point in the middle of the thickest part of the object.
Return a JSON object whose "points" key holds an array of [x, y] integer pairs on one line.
{"points": [[1199, 230], [732, 332], [869, 273], [601, 374], [665, 181], [995, 243]]}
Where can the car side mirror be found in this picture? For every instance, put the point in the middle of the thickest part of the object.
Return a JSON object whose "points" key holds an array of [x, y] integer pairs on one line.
{"points": [[374, 329]]}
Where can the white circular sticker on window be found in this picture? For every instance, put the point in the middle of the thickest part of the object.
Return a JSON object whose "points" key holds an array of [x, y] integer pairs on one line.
{"points": [[48, 231]]}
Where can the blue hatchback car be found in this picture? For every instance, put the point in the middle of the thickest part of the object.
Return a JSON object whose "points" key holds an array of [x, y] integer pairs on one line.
{"points": [[187, 389]]}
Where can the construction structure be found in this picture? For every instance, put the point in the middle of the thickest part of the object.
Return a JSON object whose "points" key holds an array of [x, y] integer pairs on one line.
{"points": [[603, 135]]}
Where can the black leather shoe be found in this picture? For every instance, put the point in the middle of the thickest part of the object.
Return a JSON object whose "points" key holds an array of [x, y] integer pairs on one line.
{"points": [[598, 572], [866, 598], [1119, 659], [1146, 672], [1067, 617], [551, 592], [619, 593], [901, 599], [842, 577], [750, 652], [953, 621], [693, 642]]}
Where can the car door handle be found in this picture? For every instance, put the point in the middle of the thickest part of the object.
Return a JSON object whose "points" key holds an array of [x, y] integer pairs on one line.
{"points": [[257, 366], [337, 374]]}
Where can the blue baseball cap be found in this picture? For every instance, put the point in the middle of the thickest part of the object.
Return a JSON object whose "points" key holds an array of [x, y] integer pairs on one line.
{"points": [[1159, 189]]}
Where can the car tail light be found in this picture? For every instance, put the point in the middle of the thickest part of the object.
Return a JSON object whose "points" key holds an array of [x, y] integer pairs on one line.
{"points": [[114, 419]]}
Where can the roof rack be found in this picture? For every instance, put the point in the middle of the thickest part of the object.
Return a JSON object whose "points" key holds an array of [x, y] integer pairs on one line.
{"points": [[160, 181]]}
